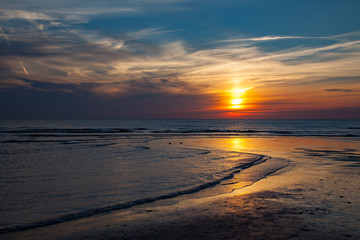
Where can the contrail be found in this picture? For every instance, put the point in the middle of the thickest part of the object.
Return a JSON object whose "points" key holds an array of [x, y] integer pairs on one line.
{"points": [[9, 45], [5, 36], [24, 68]]}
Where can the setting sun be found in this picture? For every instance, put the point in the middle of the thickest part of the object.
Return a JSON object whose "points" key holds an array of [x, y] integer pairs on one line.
{"points": [[237, 97], [236, 103]]}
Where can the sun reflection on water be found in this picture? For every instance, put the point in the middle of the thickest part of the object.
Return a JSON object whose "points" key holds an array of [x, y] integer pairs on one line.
{"points": [[237, 143]]}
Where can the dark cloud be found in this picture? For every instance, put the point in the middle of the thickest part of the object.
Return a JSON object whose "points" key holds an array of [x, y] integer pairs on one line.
{"points": [[152, 82], [63, 56], [339, 90], [30, 103], [337, 80]]}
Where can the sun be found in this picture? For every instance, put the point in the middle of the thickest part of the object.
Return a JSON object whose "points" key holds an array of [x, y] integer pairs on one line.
{"points": [[237, 98], [236, 103]]}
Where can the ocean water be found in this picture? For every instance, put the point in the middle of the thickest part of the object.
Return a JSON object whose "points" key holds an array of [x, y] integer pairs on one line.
{"points": [[53, 171]]}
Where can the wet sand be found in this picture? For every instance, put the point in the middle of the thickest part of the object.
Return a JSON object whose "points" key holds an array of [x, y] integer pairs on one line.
{"points": [[316, 197]]}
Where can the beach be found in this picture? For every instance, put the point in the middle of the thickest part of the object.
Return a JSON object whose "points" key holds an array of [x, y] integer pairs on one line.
{"points": [[315, 196], [179, 120]]}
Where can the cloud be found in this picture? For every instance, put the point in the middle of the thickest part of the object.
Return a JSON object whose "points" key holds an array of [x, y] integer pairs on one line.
{"points": [[110, 43], [97, 10], [24, 69], [268, 38], [21, 14], [78, 12], [147, 32], [117, 64], [339, 90], [294, 53], [83, 14], [25, 103], [5, 37]]}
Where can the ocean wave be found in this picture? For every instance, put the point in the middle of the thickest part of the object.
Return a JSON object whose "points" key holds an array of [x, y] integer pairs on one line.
{"points": [[350, 131], [67, 130], [91, 212]]}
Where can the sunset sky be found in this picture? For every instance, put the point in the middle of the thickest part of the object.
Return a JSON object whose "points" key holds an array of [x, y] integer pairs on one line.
{"points": [[257, 59]]}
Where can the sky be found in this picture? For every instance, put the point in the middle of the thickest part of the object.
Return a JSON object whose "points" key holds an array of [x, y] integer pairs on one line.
{"points": [[180, 59]]}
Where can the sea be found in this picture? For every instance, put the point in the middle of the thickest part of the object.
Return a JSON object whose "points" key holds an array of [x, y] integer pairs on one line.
{"points": [[54, 171]]}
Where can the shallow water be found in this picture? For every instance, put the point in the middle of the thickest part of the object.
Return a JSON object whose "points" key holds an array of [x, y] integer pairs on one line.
{"points": [[55, 171]]}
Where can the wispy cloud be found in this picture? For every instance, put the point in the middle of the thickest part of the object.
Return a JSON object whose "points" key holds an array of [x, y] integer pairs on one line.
{"points": [[267, 38], [95, 10], [83, 14], [21, 14], [308, 51], [119, 65], [147, 32], [80, 12], [5, 37]]}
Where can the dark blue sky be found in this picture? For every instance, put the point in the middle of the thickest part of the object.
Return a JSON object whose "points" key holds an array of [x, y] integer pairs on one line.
{"points": [[180, 59]]}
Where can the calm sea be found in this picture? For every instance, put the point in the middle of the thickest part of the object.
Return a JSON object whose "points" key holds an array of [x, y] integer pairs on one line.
{"points": [[53, 171]]}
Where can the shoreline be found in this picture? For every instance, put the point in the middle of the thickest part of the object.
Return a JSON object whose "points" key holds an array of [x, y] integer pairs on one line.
{"points": [[252, 160], [286, 205]]}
